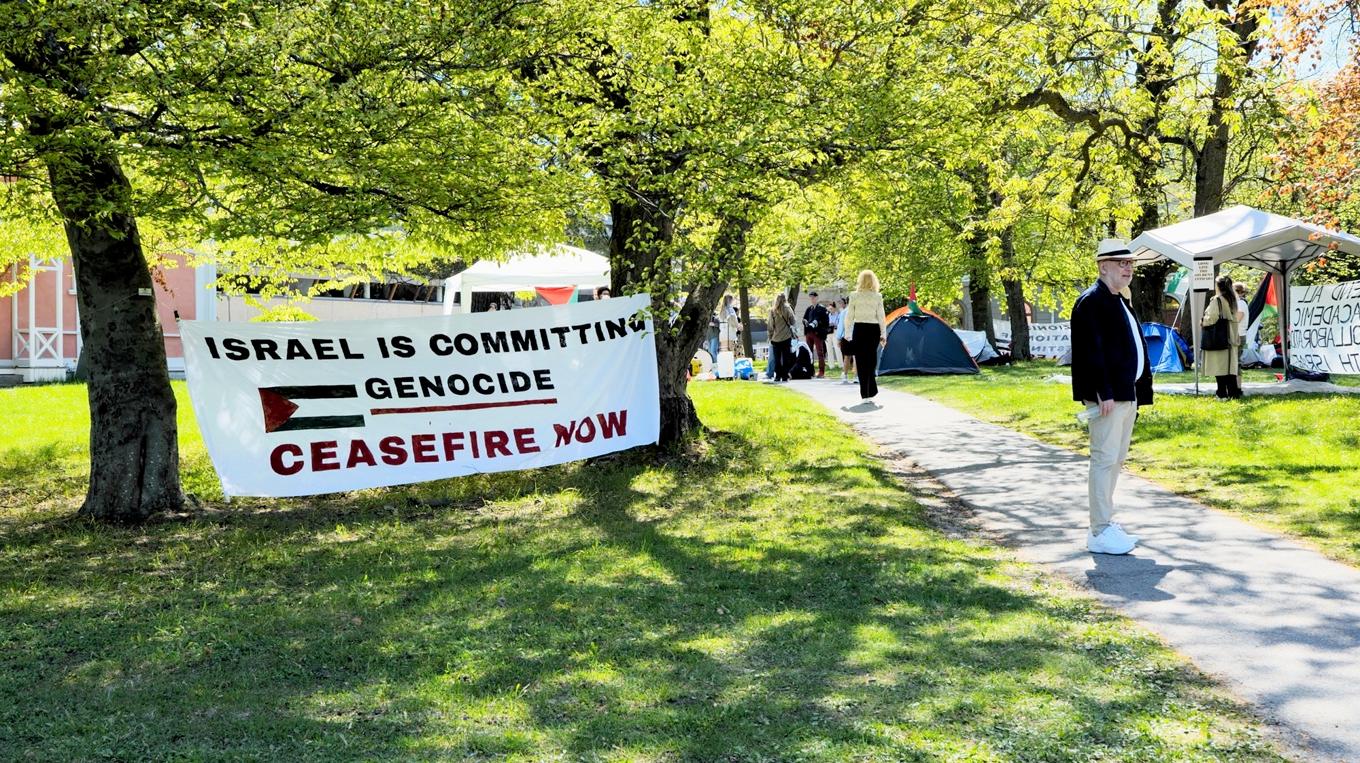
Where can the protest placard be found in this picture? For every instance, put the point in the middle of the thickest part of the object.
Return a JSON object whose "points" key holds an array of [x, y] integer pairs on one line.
{"points": [[1324, 327], [1050, 340], [292, 409]]}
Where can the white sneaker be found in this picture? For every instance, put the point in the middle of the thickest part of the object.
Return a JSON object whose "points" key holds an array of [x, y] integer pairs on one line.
{"points": [[846, 380], [1123, 532], [1111, 540]]}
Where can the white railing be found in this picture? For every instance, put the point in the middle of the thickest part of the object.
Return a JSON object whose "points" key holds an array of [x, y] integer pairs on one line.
{"points": [[35, 346]]}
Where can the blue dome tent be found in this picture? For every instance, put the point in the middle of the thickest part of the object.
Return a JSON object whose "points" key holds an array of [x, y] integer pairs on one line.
{"points": [[1165, 348]]}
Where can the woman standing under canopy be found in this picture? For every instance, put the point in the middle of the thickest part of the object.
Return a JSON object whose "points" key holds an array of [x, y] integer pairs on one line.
{"points": [[1224, 365]]}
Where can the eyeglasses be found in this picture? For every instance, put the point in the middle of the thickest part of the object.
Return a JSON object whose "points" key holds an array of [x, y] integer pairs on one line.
{"points": [[1121, 263]]}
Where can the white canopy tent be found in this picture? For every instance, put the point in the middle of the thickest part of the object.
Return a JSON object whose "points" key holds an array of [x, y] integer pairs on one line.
{"points": [[1276, 244], [554, 266]]}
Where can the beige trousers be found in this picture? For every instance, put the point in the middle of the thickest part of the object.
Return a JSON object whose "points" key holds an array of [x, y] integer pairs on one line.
{"points": [[833, 351], [1110, 437]]}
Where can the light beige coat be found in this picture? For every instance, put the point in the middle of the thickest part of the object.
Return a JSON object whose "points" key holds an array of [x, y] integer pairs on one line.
{"points": [[1222, 362], [864, 307]]}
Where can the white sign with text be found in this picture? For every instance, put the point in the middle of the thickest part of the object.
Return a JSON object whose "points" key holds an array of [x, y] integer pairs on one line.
{"points": [[1050, 340], [1202, 275], [1324, 327], [303, 408]]}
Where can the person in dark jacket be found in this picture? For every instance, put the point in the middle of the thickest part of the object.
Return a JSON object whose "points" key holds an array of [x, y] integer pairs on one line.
{"points": [[816, 325], [1112, 377]]}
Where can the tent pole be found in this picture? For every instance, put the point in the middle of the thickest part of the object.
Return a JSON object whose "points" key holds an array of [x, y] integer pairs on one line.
{"points": [[1281, 281], [1196, 309], [448, 297], [465, 296]]}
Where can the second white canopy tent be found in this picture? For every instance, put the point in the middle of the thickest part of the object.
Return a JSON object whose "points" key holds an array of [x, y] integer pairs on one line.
{"points": [[1274, 243]]}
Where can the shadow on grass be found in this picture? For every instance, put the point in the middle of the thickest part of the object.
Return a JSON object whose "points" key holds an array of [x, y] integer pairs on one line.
{"points": [[684, 612]]}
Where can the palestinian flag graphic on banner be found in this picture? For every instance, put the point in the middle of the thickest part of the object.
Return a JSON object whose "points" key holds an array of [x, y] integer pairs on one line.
{"points": [[557, 295]]}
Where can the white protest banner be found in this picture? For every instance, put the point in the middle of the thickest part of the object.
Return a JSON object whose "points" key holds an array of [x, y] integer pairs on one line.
{"points": [[1050, 340], [1324, 327], [1001, 330], [303, 408]]}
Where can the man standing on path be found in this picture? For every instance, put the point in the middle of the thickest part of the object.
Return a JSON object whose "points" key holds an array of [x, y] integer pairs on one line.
{"points": [[1112, 376], [816, 325]]}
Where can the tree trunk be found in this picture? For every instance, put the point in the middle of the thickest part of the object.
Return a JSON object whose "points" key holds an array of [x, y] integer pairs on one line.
{"points": [[1155, 77], [638, 246], [747, 346], [1149, 281], [640, 232], [1015, 298], [979, 269], [134, 456], [1149, 287], [979, 285], [1211, 161], [1015, 312]]}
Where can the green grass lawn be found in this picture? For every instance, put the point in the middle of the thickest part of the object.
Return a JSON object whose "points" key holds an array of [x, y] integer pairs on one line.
{"points": [[1289, 462], [776, 596]]}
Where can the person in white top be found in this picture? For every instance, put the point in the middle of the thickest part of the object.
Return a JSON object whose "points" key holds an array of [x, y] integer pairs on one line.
{"points": [[1240, 289], [833, 348], [866, 330], [729, 325], [1242, 311]]}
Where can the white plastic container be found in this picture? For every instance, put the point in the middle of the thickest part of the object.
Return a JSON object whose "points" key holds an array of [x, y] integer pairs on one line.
{"points": [[724, 368]]}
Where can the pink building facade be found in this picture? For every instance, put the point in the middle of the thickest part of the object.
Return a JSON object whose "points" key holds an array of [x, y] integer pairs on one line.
{"points": [[40, 324]]}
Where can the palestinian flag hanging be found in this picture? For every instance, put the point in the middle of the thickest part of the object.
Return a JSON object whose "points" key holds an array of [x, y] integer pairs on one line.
{"points": [[1264, 308], [1178, 284]]}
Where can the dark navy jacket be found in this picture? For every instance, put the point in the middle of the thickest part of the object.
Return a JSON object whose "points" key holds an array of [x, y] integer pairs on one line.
{"points": [[816, 320], [1103, 353]]}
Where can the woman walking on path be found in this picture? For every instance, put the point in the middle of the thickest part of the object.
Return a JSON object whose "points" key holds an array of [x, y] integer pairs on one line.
{"points": [[1224, 365], [866, 331], [781, 324]]}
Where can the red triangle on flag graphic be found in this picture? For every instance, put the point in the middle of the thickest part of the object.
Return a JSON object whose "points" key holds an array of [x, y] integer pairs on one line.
{"points": [[277, 409], [1271, 297], [557, 295]]}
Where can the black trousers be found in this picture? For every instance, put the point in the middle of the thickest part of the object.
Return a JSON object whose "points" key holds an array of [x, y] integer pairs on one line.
{"points": [[1228, 387], [866, 336], [783, 359]]}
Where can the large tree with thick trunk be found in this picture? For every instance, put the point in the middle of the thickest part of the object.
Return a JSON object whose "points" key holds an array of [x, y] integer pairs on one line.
{"points": [[296, 120], [694, 119], [1166, 91]]}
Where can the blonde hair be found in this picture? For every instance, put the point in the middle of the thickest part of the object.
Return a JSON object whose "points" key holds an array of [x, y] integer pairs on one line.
{"points": [[780, 300], [867, 281]]}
